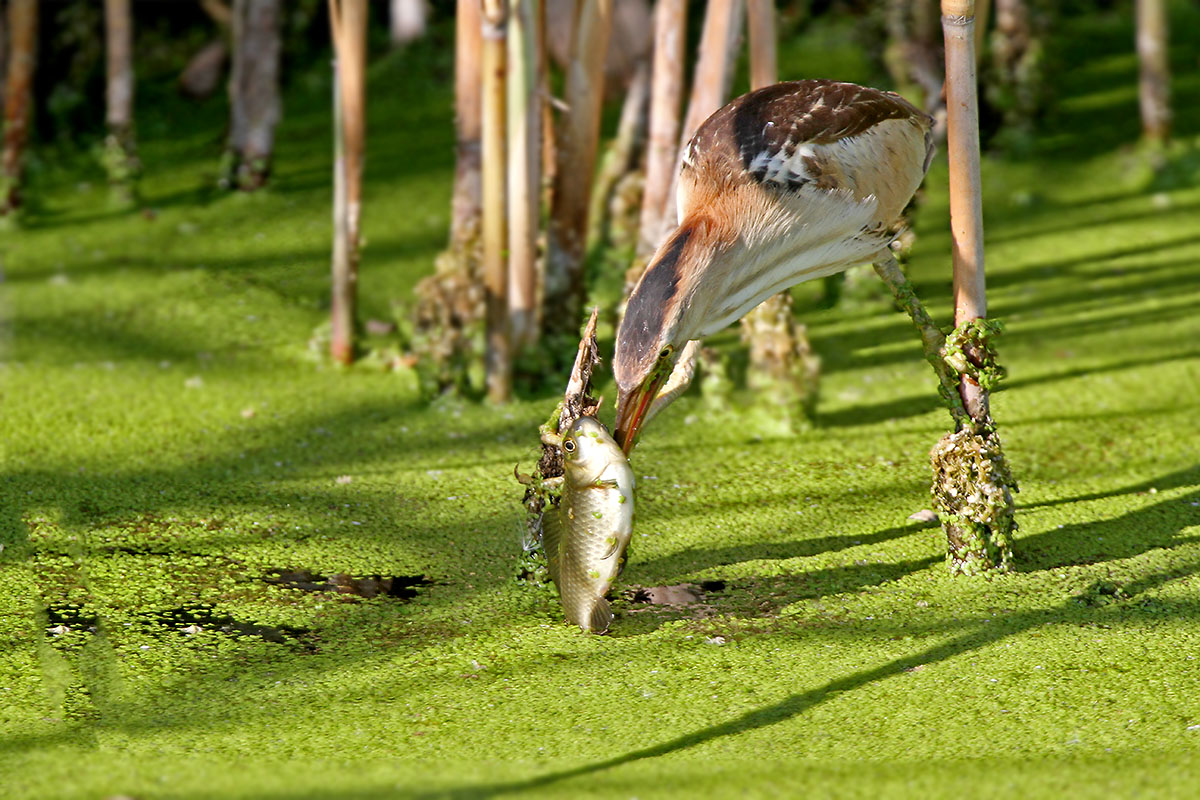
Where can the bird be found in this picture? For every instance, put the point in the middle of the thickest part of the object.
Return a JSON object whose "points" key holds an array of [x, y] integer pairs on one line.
{"points": [[785, 184]]}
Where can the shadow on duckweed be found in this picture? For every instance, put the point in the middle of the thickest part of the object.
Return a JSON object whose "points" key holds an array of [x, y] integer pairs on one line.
{"points": [[1155, 526], [977, 635]]}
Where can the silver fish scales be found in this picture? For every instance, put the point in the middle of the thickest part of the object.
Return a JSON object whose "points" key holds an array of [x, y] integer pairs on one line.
{"points": [[585, 538]]}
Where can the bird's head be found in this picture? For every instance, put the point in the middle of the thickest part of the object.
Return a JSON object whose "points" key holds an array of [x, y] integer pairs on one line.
{"points": [[650, 336]]}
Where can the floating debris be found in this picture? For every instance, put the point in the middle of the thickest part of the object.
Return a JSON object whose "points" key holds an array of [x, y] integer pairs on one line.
{"points": [[683, 594], [680, 594], [63, 619], [401, 586], [192, 619]]}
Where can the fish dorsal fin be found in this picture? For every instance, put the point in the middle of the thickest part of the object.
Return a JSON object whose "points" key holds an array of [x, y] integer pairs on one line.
{"points": [[551, 540]]}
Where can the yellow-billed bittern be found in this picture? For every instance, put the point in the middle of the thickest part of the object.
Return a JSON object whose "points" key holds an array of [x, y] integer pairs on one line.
{"points": [[788, 183]]}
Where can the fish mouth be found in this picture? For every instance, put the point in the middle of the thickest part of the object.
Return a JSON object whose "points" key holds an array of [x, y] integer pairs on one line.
{"points": [[631, 411]]}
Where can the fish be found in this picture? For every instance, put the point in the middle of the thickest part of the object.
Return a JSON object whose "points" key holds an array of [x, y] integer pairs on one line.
{"points": [[586, 536]]}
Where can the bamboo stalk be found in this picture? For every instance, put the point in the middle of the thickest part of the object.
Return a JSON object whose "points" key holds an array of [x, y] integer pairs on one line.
{"points": [[524, 168], [972, 483], [932, 338], [783, 370], [764, 66], [468, 108], [719, 42], [348, 21], [119, 63], [237, 102], [983, 12], [666, 95], [717, 60], [218, 12], [966, 204], [120, 148], [407, 20], [3, 59], [261, 47], [342, 300], [1154, 73], [495, 226], [22, 55], [578, 138], [620, 157], [549, 155], [926, 63], [254, 104]]}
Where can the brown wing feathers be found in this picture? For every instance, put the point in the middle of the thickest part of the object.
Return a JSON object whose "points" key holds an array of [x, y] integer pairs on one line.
{"points": [[767, 125]]}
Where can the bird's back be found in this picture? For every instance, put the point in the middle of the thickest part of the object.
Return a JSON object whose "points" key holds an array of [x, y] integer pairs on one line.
{"points": [[788, 183], [793, 182], [800, 139]]}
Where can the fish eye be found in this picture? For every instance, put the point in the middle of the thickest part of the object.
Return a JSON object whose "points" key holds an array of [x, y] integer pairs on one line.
{"points": [[569, 445]]}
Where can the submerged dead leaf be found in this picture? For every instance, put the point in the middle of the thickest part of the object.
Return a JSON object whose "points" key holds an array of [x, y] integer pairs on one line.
{"points": [[682, 594]]}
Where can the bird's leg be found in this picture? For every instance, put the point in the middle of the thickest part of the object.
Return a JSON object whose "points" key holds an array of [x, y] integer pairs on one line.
{"points": [[932, 338], [679, 380]]}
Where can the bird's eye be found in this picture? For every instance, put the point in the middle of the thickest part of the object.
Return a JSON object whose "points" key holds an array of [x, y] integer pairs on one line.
{"points": [[569, 445]]}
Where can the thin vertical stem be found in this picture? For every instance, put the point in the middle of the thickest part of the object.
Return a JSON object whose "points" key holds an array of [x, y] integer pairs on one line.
{"points": [[620, 157], [495, 214], [3, 59], [711, 84], [783, 369], [983, 12], [764, 66], [972, 483], [524, 168], [407, 20], [966, 205], [577, 143], [348, 22], [468, 108], [1154, 75], [341, 308], [118, 35], [261, 46], [22, 55], [932, 338], [666, 95]]}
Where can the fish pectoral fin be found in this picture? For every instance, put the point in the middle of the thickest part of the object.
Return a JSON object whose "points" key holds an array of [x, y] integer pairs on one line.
{"points": [[621, 565], [601, 616], [613, 543]]}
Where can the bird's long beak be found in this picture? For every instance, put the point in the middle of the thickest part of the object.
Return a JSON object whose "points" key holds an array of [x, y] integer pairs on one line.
{"points": [[631, 410]]}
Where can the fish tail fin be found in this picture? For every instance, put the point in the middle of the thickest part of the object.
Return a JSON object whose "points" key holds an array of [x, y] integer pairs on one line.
{"points": [[601, 617]]}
